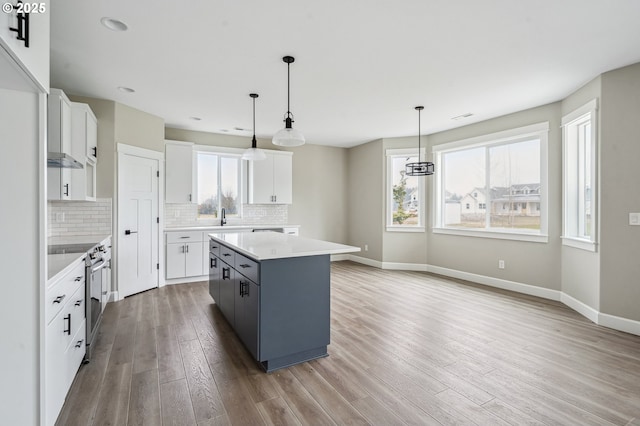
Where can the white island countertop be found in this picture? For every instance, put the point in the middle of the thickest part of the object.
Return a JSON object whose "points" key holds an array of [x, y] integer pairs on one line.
{"points": [[274, 245]]}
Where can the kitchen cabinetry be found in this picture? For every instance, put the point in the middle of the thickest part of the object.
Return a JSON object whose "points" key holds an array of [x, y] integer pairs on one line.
{"points": [[59, 185], [179, 172], [270, 180], [184, 254], [84, 138], [65, 335]]}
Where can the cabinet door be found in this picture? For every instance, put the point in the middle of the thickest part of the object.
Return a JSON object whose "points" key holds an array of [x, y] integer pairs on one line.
{"points": [[247, 314], [261, 181], [214, 277], [227, 293], [282, 179], [193, 259], [92, 137], [178, 173], [175, 260]]}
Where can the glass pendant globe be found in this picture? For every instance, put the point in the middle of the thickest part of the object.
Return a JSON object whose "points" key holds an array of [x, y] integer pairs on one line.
{"points": [[288, 137], [254, 154]]}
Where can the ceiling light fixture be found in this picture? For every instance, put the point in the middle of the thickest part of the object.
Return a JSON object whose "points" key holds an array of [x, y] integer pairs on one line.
{"points": [[195, 118], [253, 153], [288, 136], [113, 24], [126, 89], [420, 168]]}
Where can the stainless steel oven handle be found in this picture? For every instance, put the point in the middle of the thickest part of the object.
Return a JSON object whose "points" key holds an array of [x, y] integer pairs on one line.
{"points": [[98, 266]]}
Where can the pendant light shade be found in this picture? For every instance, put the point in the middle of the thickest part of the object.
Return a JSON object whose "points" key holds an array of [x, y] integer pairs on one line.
{"points": [[288, 136], [419, 168], [254, 153]]}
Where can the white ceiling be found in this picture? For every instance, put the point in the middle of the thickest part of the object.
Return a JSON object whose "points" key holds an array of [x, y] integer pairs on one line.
{"points": [[361, 65]]}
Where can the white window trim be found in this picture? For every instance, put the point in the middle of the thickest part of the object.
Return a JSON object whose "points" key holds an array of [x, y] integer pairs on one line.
{"points": [[587, 244], [390, 227], [538, 130], [221, 151]]}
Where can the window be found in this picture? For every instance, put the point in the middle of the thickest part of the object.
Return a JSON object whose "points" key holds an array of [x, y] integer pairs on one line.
{"points": [[405, 201], [219, 183], [499, 179], [579, 170]]}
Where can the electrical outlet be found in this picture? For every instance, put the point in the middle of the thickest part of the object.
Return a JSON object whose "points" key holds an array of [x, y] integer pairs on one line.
{"points": [[500, 264], [634, 218], [60, 217], [366, 247]]}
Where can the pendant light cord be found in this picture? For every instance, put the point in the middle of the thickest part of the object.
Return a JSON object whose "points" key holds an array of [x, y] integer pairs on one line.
{"points": [[419, 136], [288, 91]]}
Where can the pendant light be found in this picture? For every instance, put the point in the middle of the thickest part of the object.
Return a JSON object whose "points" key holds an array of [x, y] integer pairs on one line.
{"points": [[288, 136], [420, 168], [254, 153]]}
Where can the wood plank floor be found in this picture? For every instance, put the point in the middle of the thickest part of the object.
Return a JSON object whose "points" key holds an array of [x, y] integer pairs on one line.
{"points": [[406, 348]]}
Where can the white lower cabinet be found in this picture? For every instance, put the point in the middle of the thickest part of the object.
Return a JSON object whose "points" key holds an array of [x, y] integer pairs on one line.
{"points": [[65, 335], [184, 254]]}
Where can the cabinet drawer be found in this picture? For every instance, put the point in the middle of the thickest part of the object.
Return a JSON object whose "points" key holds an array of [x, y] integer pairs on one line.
{"points": [[227, 255], [214, 247], [59, 294], [247, 267], [184, 237], [76, 307], [74, 354]]}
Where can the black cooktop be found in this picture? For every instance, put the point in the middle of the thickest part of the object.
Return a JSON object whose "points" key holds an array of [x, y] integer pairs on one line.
{"points": [[70, 248]]}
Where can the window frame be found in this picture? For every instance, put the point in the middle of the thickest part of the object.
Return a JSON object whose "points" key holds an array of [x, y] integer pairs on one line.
{"points": [[571, 227], [242, 173], [510, 136], [392, 153]]}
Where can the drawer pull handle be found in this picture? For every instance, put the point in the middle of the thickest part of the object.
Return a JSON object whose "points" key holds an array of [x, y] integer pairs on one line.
{"points": [[68, 330], [78, 279], [79, 344], [226, 254], [244, 265], [226, 273], [185, 237], [59, 299], [78, 302]]}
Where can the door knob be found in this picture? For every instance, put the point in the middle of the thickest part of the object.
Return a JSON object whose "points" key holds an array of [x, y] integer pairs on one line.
{"points": [[129, 232]]}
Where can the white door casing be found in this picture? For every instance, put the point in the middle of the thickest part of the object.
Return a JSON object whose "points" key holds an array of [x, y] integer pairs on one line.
{"points": [[138, 210]]}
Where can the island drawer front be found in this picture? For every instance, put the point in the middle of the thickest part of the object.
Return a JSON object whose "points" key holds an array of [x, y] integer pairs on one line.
{"points": [[227, 255], [247, 267], [214, 247], [184, 237]]}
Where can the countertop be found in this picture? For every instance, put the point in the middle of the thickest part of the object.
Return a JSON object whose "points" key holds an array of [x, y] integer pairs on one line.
{"points": [[273, 245], [60, 264], [225, 227]]}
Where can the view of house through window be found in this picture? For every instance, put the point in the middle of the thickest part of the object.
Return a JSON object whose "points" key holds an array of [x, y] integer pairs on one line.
{"points": [[494, 186], [218, 185], [405, 206]]}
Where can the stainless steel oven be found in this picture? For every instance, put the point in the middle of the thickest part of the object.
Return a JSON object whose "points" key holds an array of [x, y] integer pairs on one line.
{"points": [[98, 259]]}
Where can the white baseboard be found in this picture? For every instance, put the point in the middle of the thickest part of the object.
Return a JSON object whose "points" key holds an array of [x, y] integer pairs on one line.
{"points": [[580, 307], [186, 280], [605, 320], [339, 257], [113, 297]]}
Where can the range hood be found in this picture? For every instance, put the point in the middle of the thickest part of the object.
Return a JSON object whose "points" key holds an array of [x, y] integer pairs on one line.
{"points": [[61, 160]]}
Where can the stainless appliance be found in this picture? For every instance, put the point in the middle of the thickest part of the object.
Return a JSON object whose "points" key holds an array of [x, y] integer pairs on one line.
{"points": [[97, 261]]}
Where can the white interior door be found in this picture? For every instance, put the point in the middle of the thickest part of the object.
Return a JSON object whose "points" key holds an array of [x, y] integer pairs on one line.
{"points": [[137, 224]]}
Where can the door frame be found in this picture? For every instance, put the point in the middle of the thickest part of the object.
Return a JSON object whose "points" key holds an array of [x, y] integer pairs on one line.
{"points": [[124, 149]]}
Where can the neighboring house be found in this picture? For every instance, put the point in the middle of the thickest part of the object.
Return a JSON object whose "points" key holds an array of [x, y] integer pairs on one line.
{"points": [[518, 200], [411, 200]]}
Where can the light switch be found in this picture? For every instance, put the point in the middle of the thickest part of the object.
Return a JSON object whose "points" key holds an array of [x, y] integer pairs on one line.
{"points": [[634, 218]]}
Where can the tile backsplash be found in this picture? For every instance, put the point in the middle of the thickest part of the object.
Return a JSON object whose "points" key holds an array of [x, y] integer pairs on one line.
{"points": [[73, 218], [252, 214]]}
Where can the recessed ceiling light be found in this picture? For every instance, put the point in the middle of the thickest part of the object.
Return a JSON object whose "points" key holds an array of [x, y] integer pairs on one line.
{"points": [[114, 24], [460, 117], [224, 130], [195, 118], [125, 89]]}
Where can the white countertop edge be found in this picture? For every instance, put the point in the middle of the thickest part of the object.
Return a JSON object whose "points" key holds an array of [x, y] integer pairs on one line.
{"points": [[225, 227], [61, 264], [78, 239], [304, 246]]}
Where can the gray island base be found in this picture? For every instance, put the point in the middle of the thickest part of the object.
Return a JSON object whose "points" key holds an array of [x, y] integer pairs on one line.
{"points": [[274, 290]]}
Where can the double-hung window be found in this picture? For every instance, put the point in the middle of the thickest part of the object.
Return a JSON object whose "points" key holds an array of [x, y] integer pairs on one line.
{"points": [[405, 194], [579, 177], [493, 185], [218, 175]]}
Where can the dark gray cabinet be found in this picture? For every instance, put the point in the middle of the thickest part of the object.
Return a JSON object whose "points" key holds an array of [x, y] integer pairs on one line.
{"points": [[279, 308]]}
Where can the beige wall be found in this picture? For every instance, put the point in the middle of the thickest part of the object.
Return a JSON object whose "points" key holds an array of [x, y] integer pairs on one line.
{"points": [[319, 176], [138, 128], [365, 183], [536, 264], [580, 269], [619, 194]]}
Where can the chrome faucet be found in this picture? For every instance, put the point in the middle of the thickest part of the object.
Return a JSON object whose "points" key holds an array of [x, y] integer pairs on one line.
{"points": [[223, 217]]}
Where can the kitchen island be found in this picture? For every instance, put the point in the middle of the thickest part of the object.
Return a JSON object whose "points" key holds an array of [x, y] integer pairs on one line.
{"points": [[274, 290]]}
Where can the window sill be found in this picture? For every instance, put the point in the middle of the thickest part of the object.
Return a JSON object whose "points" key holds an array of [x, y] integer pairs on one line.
{"points": [[580, 244], [515, 236], [396, 228]]}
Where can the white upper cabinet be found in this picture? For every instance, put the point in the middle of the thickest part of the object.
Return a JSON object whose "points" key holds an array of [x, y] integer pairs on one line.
{"points": [[270, 180], [59, 186], [179, 172], [84, 140], [34, 59]]}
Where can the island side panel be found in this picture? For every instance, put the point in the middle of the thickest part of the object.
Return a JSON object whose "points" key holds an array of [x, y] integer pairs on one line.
{"points": [[294, 307]]}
